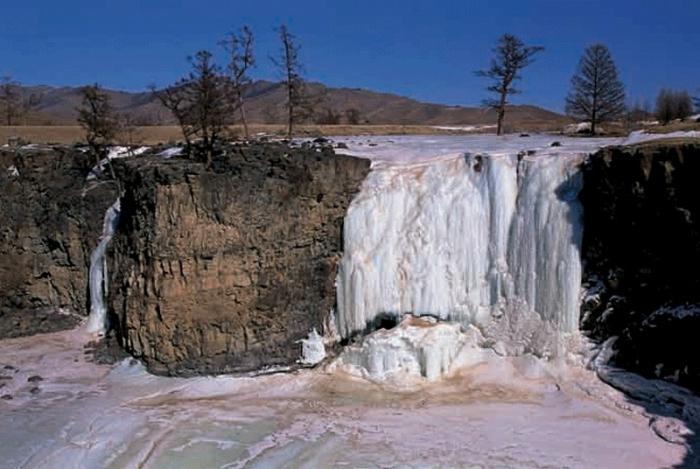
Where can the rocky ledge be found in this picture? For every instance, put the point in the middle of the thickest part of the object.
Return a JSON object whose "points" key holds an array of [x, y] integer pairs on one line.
{"points": [[225, 269], [51, 219], [641, 249]]}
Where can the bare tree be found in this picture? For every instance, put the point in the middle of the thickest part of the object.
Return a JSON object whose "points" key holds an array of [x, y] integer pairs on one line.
{"points": [[201, 103], [129, 129], [11, 99], [672, 105], [100, 122], [511, 56], [269, 113], [97, 117], [328, 117], [597, 94], [298, 103], [352, 115], [30, 102], [241, 59], [16, 103], [684, 105]]}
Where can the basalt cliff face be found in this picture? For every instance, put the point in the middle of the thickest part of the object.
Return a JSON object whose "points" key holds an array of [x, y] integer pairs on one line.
{"points": [[226, 269], [641, 252], [51, 219]]}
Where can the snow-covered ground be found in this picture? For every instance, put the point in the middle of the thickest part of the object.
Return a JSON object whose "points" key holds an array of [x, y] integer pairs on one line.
{"points": [[417, 148], [494, 415]]}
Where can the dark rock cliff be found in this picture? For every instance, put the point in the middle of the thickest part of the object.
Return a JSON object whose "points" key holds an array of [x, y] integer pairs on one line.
{"points": [[51, 220], [226, 269], [641, 249]]}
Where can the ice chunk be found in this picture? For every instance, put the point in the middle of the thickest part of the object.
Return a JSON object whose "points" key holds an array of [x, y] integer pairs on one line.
{"points": [[417, 348], [312, 349]]}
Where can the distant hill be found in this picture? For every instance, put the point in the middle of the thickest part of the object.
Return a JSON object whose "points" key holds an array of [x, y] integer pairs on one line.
{"points": [[265, 104]]}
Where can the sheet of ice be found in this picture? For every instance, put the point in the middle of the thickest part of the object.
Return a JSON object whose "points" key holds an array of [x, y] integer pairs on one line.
{"points": [[87, 415], [491, 241], [391, 150], [97, 321]]}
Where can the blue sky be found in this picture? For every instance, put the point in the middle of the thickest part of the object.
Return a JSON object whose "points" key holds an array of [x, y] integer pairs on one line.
{"points": [[427, 50]]}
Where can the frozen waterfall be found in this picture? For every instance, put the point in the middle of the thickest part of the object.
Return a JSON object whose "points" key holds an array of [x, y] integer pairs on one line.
{"points": [[97, 322], [490, 241]]}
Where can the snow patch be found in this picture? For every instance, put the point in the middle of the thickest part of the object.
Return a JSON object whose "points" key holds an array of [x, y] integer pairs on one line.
{"points": [[171, 152], [115, 153], [641, 137]]}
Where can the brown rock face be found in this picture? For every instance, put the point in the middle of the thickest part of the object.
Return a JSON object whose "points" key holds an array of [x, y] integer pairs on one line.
{"points": [[224, 270], [50, 223]]}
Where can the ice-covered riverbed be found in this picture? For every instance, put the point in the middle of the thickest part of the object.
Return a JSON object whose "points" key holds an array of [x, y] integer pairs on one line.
{"points": [[87, 415]]}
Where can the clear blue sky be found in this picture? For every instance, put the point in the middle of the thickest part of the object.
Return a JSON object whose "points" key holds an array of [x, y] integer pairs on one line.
{"points": [[423, 49]]}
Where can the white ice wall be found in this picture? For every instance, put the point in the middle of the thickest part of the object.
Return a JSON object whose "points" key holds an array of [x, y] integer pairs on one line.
{"points": [[490, 241]]}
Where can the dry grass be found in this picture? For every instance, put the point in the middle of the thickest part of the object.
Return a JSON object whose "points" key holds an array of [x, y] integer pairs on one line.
{"points": [[674, 127], [68, 134]]}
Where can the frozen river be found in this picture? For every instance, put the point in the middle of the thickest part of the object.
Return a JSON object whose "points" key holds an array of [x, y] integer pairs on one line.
{"points": [[87, 415]]}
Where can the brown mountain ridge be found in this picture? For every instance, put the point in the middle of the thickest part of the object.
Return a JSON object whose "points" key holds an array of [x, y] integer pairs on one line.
{"points": [[265, 105]]}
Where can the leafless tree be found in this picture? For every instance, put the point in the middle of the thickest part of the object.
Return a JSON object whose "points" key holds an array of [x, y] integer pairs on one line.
{"points": [[16, 103], [97, 117], [202, 103], [101, 124], [672, 105], [299, 102], [129, 129], [241, 59], [270, 114], [511, 56], [597, 94], [328, 117], [352, 115], [11, 99]]}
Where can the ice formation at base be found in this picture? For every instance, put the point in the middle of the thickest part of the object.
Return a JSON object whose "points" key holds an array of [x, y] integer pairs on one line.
{"points": [[489, 241], [313, 351], [97, 321], [418, 347]]}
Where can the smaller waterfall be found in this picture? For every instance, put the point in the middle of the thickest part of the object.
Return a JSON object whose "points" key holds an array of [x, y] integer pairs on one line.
{"points": [[97, 322]]}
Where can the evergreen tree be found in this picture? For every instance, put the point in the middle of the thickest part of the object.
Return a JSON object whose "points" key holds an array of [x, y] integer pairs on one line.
{"points": [[597, 94]]}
